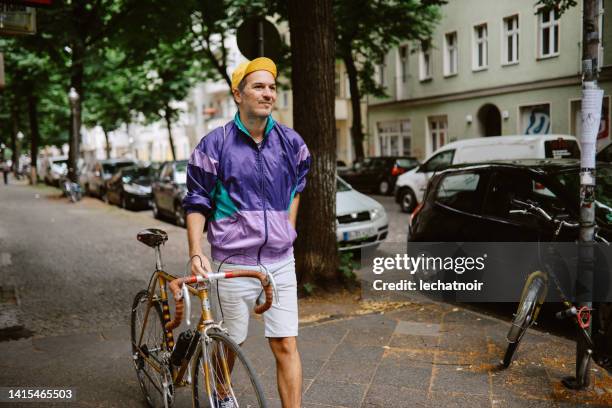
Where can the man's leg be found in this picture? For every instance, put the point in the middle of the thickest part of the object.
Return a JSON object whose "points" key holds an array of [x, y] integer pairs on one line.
{"points": [[288, 370]]}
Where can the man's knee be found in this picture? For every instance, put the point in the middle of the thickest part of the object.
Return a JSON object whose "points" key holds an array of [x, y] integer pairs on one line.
{"points": [[283, 346]]}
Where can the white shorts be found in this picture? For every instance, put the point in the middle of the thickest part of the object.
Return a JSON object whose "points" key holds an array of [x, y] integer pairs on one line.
{"points": [[238, 296]]}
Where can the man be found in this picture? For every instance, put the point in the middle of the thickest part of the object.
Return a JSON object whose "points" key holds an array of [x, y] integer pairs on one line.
{"points": [[246, 178]]}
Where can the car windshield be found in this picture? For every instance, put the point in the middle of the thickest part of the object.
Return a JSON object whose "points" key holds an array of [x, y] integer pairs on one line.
{"points": [[111, 168], [603, 191], [180, 174], [341, 185], [139, 173], [407, 162]]}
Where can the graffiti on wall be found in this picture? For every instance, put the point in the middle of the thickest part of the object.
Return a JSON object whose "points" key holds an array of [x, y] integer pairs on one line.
{"points": [[535, 119]]}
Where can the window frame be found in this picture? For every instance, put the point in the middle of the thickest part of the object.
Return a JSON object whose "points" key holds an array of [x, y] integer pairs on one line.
{"points": [[551, 24], [425, 74], [516, 33], [476, 41], [451, 54]]}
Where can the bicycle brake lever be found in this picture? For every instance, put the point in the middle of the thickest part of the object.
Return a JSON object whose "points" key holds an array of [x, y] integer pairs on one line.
{"points": [[274, 289], [185, 293]]}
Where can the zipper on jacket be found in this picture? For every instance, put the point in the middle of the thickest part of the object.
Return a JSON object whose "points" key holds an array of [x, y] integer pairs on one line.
{"points": [[263, 200]]}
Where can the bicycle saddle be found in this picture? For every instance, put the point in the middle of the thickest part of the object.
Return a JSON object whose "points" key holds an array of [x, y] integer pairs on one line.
{"points": [[152, 237]]}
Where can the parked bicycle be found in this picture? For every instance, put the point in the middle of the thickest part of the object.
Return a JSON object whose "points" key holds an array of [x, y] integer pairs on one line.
{"points": [[205, 358], [70, 189], [594, 324]]}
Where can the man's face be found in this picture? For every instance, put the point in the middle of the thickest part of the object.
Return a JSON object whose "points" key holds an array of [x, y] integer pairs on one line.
{"points": [[259, 94]]}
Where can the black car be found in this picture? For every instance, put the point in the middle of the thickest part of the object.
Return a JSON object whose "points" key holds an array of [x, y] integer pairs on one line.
{"points": [[605, 154], [378, 174], [169, 190], [130, 187], [478, 202], [97, 173]]}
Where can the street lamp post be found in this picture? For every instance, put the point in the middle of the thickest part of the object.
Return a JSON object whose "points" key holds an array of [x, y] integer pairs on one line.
{"points": [[16, 165], [75, 107]]}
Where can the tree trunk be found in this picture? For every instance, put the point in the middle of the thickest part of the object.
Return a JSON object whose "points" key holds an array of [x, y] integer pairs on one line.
{"points": [[34, 136], [169, 127], [312, 60], [108, 145], [15, 130], [356, 131]]}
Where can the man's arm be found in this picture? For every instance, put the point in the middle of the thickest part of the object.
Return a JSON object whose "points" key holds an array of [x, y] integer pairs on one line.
{"points": [[195, 228], [293, 209]]}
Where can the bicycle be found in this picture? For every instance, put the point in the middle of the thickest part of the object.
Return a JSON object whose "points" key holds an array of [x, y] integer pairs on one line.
{"points": [[533, 297], [205, 358]]}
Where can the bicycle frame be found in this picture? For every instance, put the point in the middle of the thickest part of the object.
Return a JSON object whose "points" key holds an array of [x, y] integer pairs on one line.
{"points": [[159, 281]]}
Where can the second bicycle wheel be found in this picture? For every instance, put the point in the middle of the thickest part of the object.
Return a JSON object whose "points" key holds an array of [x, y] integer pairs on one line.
{"points": [[148, 343], [531, 301], [222, 372]]}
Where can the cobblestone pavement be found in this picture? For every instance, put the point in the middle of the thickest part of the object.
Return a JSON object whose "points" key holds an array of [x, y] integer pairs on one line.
{"points": [[76, 268]]}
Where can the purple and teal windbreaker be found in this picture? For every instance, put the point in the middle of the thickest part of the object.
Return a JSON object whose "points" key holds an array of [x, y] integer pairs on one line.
{"points": [[245, 191]]}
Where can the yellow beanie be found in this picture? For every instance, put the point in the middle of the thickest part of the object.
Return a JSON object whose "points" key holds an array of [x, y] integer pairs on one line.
{"points": [[246, 67]]}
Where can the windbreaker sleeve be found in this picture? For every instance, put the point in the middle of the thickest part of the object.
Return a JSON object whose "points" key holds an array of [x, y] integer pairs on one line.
{"points": [[202, 177], [303, 166]]}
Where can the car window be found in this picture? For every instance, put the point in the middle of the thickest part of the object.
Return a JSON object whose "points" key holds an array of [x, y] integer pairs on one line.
{"points": [[506, 186], [439, 162], [180, 174], [603, 190], [561, 149], [406, 162], [460, 191], [605, 155], [341, 185], [112, 168]]}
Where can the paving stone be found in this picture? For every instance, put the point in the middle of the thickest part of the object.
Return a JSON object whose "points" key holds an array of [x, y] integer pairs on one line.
{"points": [[357, 352], [335, 393], [448, 400], [315, 350], [450, 379], [408, 370], [351, 371], [410, 341], [389, 396], [417, 328]]}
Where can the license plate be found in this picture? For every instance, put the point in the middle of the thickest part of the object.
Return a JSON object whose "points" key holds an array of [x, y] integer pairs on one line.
{"points": [[351, 235]]}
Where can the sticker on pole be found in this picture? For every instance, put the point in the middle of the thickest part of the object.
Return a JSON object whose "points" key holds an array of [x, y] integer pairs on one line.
{"points": [[591, 117]]}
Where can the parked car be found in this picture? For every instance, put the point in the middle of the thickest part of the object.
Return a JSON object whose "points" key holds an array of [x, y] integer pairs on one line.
{"points": [[474, 202], [54, 168], [411, 185], [168, 191], [360, 220], [378, 174], [130, 187], [341, 166], [97, 173], [605, 154]]}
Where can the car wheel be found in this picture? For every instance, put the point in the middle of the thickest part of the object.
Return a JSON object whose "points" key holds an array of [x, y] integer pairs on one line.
{"points": [[407, 200], [179, 215], [384, 187]]}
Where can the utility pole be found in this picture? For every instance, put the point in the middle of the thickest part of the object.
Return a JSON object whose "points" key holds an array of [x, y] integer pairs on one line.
{"points": [[592, 97]]}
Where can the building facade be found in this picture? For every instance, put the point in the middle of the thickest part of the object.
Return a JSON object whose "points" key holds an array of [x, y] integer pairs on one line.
{"points": [[511, 68]]}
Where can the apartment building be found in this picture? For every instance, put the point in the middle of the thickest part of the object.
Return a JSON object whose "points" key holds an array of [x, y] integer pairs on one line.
{"points": [[509, 68]]}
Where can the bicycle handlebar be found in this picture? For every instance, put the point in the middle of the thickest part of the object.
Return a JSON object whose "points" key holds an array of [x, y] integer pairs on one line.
{"points": [[176, 288]]}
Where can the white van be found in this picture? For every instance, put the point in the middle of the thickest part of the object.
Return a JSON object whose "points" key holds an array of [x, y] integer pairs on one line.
{"points": [[411, 185]]}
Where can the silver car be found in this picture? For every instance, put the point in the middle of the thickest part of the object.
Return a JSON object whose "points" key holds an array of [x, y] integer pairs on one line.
{"points": [[360, 221]]}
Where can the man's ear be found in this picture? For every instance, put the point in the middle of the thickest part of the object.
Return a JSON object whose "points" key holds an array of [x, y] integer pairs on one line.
{"points": [[237, 96]]}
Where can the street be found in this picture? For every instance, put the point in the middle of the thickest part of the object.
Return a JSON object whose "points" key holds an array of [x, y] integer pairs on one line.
{"points": [[76, 268]]}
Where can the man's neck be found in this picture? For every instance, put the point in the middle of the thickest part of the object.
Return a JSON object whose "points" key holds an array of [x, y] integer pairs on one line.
{"points": [[255, 125]]}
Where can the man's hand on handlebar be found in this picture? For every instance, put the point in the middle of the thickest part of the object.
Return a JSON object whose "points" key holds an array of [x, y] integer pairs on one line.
{"points": [[200, 265]]}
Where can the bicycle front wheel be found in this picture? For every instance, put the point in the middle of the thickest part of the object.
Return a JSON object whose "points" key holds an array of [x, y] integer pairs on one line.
{"points": [[223, 372], [148, 347], [527, 313]]}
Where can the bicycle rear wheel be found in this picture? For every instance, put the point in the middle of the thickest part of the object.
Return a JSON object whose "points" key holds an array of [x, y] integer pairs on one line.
{"points": [[156, 384], [221, 371], [527, 313]]}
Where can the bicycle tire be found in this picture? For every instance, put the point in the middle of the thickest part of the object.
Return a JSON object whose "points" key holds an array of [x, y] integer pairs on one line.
{"points": [[531, 301], [249, 392], [154, 344]]}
